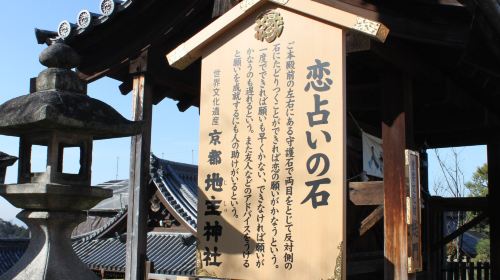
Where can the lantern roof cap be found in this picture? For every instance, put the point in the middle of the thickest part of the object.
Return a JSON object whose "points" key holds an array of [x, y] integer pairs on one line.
{"points": [[61, 103], [59, 55], [63, 111], [6, 159]]}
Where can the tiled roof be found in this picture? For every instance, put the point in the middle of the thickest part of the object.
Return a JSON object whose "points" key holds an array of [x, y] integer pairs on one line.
{"points": [[178, 183], [111, 33], [85, 21], [171, 253], [122, 214], [119, 201], [11, 251], [468, 240]]}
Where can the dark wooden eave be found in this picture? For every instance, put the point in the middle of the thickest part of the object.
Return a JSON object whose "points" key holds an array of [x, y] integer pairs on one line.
{"points": [[108, 45], [445, 47], [434, 22], [447, 54]]}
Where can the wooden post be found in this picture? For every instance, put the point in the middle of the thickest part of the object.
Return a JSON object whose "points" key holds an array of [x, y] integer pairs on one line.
{"points": [[139, 172], [494, 198], [435, 234], [147, 270], [3, 171], [426, 218], [470, 270], [395, 132], [24, 164]]}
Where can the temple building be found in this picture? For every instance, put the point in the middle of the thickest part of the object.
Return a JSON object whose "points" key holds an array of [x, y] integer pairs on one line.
{"points": [[431, 81], [100, 241]]}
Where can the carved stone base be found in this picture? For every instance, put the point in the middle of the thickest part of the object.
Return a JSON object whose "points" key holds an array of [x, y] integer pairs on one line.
{"points": [[50, 254]]}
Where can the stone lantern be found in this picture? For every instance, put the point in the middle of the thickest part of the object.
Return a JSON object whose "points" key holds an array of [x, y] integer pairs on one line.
{"points": [[58, 115]]}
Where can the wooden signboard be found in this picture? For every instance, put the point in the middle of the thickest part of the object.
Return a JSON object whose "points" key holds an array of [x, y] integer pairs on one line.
{"points": [[272, 193], [413, 211]]}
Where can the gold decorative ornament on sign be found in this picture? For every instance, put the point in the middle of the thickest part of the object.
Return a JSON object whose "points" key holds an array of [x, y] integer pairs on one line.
{"points": [[268, 26], [337, 275], [200, 271], [366, 26]]}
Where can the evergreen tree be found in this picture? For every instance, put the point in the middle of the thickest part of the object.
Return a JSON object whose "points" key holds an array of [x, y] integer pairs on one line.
{"points": [[10, 230], [478, 187]]}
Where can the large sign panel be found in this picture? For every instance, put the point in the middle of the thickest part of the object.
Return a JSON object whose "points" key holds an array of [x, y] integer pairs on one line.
{"points": [[272, 150]]}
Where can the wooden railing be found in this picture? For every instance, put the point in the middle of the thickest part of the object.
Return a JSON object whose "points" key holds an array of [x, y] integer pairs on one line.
{"points": [[455, 270]]}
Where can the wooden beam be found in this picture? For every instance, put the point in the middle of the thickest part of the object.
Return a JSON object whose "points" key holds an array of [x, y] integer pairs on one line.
{"points": [[424, 171], [367, 193], [403, 56], [149, 267], [394, 136], [459, 203], [450, 31], [356, 42], [221, 7], [191, 50], [465, 227], [371, 220], [441, 2], [365, 267], [139, 172], [89, 78], [494, 199], [126, 87]]}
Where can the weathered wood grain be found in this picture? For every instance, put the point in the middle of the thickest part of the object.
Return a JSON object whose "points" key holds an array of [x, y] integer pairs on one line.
{"points": [[375, 216], [142, 108], [366, 193]]}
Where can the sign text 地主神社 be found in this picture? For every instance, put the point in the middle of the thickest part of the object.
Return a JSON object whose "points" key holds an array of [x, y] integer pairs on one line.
{"points": [[272, 140], [272, 151]]}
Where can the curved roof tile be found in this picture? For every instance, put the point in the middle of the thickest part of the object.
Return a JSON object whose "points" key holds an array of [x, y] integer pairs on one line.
{"points": [[178, 183], [171, 253]]}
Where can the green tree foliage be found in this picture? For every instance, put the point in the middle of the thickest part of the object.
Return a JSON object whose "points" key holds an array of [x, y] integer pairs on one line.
{"points": [[479, 185], [10, 230], [483, 250]]}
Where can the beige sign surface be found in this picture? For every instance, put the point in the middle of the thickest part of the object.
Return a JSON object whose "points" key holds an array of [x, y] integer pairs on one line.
{"points": [[272, 194]]}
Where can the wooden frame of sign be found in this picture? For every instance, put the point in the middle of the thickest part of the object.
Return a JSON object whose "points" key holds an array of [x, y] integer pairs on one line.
{"points": [[413, 211], [272, 168]]}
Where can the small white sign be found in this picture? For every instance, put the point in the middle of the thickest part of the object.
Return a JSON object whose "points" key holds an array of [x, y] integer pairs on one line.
{"points": [[373, 159]]}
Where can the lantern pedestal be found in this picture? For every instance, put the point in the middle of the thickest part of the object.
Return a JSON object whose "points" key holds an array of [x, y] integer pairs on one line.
{"points": [[53, 197], [58, 116], [54, 210], [50, 247]]}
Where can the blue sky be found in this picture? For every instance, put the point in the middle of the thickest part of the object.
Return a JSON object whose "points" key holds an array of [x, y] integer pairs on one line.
{"points": [[175, 134]]}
